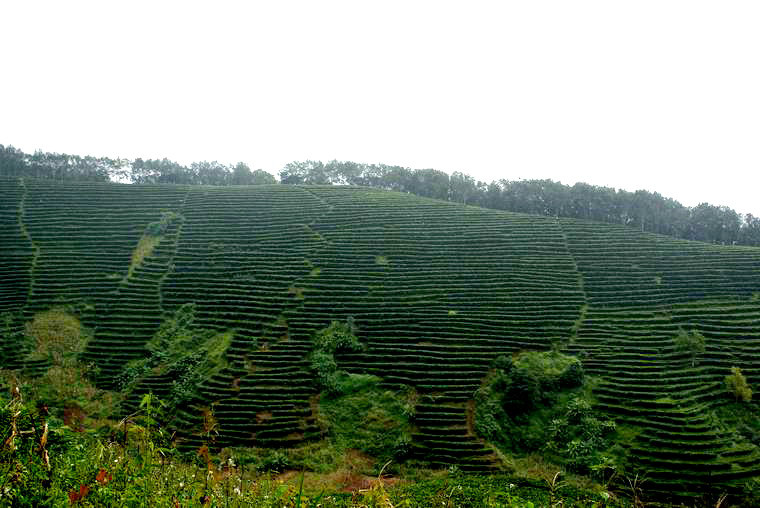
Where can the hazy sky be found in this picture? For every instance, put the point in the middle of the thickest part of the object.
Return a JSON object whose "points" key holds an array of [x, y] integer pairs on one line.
{"points": [[662, 95]]}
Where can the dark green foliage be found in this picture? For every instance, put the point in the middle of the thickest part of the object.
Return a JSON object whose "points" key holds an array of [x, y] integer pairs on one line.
{"points": [[644, 210], [741, 418], [59, 166], [691, 344], [327, 341], [130, 374], [535, 377], [579, 436], [198, 173], [274, 461], [572, 376], [337, 337], [503, 363], [535, 403], [326, 371], [186, 353]]}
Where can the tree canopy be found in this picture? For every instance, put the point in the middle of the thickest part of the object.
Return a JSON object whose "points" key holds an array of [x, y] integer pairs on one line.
{"points": [[648, 211], [58, 166]]}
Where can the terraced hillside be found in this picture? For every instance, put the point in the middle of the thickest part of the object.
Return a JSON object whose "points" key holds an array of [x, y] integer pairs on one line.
{"points": [[437, 291]]}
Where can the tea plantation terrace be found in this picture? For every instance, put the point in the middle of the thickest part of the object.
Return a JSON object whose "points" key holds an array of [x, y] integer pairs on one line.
{"points": [[437, 292]]}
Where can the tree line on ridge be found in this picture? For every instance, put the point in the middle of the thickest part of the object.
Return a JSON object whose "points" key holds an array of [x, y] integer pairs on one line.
{"points": [[648, 211]]}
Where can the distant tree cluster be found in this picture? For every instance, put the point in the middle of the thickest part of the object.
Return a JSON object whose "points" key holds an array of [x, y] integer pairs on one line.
{"points": [[60, 166], [197, 173], [648, 211]]}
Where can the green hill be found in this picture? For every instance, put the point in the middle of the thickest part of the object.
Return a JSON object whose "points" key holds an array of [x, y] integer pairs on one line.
{"points": [[437, 292]]}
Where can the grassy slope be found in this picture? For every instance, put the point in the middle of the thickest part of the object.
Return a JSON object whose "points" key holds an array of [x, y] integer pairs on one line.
{"points": [[437, 291]]}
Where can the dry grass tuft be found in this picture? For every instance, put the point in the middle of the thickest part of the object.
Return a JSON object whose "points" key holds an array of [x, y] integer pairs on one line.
{"points": [[56, 334], [144, 248]]}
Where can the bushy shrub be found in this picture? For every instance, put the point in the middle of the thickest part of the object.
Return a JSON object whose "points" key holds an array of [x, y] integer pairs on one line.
{"points": [[503, 363], [534, 377], [326, 371], [572, 376], [372, 420], [691, 344], [578, 435], [186, 353], [737, 385], [534, 403], [275, 461], [336, 337], [327, 341], [130, 375]]}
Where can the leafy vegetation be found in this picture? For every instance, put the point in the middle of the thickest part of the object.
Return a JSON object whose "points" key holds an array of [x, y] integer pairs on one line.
{"points": [[691, 343], [536, 402], [648, 211], [328, 341], [370, 419], [265, 269], [185, 353], [737, 385], [131, 462]]}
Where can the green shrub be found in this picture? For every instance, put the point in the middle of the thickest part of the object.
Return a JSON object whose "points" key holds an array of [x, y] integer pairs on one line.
{"points": [[536, 403], [691, 343], [274, 461], [326, 371], [188, 354], [737, 385], [327, 341], [578, 436], [534, 377], [503, 363], [337, 337], [371, 419]]}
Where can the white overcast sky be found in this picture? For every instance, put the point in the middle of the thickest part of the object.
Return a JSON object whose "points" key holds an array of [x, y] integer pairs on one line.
{"points": [[661, 95]]}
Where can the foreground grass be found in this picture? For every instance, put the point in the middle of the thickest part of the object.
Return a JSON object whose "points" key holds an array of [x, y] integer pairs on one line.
{"points": [[45, 461], [134, 463]]}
